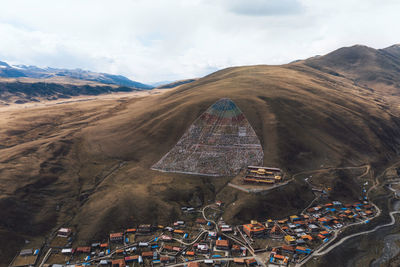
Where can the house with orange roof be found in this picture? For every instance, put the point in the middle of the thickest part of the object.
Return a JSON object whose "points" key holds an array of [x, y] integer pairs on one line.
{"points": [[83, 250], [235, 248], [307, 237], [118, 263], [323, 220], [288, 249], [116, 237], [255, 229], [147, 254], [321, 236], [238, 260], [222, 244], [189, 253], [193, 264]]}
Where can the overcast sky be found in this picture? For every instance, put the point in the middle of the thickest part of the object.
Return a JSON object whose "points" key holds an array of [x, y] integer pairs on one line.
{"points": [[158, 40]]}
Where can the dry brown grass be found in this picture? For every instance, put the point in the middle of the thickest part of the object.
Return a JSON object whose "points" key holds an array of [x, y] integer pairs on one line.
{"points": [[62, 154]]}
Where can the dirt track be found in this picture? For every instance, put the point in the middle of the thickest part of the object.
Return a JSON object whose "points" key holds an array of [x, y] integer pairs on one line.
{"points": [[325, 249]]}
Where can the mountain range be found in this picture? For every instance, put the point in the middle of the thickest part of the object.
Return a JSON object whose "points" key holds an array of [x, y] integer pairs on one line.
{"points": [[21, 84], [23, 71]]}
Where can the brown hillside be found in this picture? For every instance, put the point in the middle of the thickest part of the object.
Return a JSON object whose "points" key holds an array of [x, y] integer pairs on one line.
{"points": [[375, 69], [88, 164], [176, 83]]}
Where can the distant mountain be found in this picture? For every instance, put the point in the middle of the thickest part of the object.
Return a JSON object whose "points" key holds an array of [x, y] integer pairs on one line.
{"points": [[174, 84], [394, 50], [3, 64], [21, 84], [22, 92], [157, 84], [23, 71], [7, 71], [378, 70], [374, 68]]}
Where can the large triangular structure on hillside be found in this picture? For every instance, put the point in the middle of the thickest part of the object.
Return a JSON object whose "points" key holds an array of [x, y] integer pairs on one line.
{"points": [[219, 143]]}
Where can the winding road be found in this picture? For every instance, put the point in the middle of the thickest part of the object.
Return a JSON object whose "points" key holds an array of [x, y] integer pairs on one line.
{"points": [[393, 220], [233, 239], [214, 259], [111, 253], [46, 257], [203, 212], [194, 241], [323, 250]]}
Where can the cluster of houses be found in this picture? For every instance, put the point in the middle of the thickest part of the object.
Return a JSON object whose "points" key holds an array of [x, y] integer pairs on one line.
{"points": [[263, 175], [284, 241], [301, 234], [152, 245]]}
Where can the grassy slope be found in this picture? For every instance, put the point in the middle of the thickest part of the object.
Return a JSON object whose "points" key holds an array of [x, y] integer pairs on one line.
{"points": [[176, 83], [376, 69], [304, 119]]}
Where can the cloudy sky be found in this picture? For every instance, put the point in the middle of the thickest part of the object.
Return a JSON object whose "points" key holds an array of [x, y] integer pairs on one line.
{"points": [[159, 40]]}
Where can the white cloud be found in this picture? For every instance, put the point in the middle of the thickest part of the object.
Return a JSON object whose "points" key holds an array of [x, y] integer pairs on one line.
{"points": [[264, 7], [152, 40]]}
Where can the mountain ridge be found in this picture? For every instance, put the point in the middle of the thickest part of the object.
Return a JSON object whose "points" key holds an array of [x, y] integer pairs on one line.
{"points": [[21, 84], [29, 71]]}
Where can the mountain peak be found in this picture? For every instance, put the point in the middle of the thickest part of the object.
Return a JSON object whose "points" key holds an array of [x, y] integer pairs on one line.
{"points": [[393, 50], [4, 64], [393, 46], [344, 59], [366, 66]]}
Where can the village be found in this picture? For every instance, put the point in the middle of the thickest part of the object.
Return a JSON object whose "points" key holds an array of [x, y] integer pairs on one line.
{"points": [[202, 237]]}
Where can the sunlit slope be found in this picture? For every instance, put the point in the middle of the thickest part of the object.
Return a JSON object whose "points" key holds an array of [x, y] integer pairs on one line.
{"points": [[88, 164], [304, 118], [375, 69]]}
